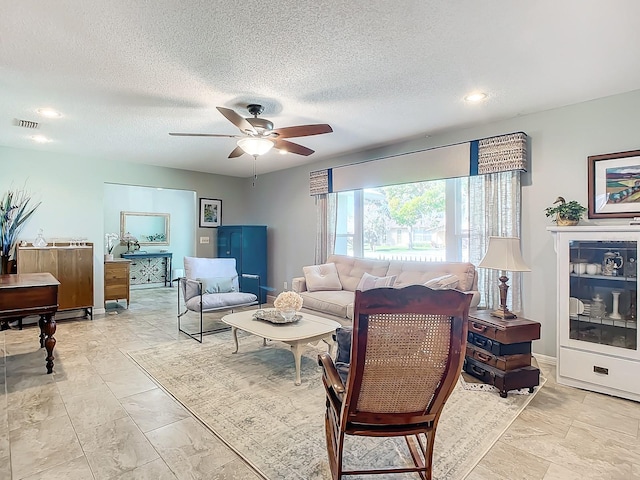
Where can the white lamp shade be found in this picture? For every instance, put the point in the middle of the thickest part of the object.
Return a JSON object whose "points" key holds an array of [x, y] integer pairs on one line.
{"points": [[503, 253], [255, 145]]}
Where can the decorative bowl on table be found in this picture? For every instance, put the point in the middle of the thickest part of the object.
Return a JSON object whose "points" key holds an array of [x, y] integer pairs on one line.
{"points": [[275, 316], [287, 314]]}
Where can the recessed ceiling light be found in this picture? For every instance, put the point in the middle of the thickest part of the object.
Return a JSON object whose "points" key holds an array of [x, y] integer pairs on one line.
{"points": [[475, 97], [282, 152], [49, 113], [40, 139]]}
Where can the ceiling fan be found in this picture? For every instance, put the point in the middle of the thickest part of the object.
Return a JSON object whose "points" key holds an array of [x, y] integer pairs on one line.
{"points": [[259, 136]]}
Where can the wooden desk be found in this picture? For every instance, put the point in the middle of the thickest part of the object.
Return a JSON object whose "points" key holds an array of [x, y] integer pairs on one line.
{"points": [[32, 294]]}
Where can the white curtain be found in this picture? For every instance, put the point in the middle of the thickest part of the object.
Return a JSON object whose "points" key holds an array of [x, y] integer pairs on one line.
{"points": [[494, 210], [326, 218]]}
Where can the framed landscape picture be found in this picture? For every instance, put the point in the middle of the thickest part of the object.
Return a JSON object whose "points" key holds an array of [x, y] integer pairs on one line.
{"points": [[614, 185], [210, 212]]}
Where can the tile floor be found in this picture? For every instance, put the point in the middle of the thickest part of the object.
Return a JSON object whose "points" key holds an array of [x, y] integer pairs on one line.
{"points": [[100, 417]]}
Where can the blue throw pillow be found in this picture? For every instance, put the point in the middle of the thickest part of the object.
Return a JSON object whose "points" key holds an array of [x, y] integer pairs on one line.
{"points": [[343, 354]]}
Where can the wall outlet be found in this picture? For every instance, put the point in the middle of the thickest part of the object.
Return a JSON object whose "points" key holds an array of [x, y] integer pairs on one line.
{"points": [[286, 285], [204, 240]]}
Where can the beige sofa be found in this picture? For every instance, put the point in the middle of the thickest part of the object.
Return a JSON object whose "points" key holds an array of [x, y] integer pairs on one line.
{"points": [[329, 288]]}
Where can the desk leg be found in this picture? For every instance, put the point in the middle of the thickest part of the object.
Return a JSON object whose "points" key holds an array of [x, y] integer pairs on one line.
{"points": [[47, 330]]}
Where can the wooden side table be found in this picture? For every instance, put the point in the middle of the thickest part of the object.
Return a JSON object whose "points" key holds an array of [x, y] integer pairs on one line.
{"points": [[499, 351], [116, 280]]}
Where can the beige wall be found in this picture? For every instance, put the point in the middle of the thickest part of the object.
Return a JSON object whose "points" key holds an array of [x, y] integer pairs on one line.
{"points": [[561, 140]]}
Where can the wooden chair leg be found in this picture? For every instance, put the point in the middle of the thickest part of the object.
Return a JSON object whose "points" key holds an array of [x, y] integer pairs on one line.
{"points": [[422, 452], [335, 443]]}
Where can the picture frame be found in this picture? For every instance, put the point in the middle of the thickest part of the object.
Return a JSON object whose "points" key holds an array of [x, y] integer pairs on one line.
{"points": [[210, 212], [614, 185]]}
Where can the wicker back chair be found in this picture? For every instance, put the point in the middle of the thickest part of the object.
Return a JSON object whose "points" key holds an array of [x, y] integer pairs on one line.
{"points": [[406, 355]]}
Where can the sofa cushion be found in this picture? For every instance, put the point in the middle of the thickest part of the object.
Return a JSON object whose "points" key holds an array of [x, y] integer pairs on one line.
{"points": [[442, 283], [215, 301], [217, 284], [350, 269], [419, 273], [322, 277], [368, 281], [197, 267], [331, 302]]}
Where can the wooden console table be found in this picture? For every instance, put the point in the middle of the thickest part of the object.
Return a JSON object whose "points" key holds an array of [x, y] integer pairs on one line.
{"points": [[32, 294], [499, 351], [150, 268]]}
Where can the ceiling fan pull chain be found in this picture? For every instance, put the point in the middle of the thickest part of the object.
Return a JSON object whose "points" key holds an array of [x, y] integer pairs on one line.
{"points": [[255, 176]]}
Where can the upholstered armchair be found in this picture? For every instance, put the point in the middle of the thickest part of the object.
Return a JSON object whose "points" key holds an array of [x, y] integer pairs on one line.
{"points": [[210, 285]]}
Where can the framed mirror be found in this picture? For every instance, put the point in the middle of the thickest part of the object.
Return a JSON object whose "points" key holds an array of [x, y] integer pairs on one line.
{"points": [[148, 228]]}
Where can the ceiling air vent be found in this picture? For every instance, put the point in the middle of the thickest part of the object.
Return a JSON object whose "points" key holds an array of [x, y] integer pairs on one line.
{"points": [[26, 123]]}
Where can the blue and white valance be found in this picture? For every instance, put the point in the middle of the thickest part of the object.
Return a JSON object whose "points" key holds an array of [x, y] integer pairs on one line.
{"points": [[478, 157]]}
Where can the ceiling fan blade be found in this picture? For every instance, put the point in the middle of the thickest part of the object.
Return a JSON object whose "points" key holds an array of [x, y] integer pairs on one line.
{"points": [[292, 147], [237, 120], [236, 152], [202, 135], [303, 130]]}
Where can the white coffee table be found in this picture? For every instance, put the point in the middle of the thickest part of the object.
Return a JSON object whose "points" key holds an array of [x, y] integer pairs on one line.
{"points": [[309, 328]]}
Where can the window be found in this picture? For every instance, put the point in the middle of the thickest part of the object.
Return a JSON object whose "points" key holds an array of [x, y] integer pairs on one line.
{"points": [[417, 221]]}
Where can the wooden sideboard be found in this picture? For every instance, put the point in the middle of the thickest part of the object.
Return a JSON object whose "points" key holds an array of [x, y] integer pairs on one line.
{"points": [[499, 351], [116, 280], [149, 268], [71, 265]]}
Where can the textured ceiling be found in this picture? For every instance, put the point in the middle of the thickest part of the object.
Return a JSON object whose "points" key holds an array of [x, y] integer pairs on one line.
{"points": [[125, 73]]}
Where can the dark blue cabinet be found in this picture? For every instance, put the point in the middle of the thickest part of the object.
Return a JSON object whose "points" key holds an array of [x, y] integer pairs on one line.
{"points": [[248, 245]]}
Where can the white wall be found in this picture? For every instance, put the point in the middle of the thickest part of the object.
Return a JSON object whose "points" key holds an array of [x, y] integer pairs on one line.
{"points": [[179, 204], [72, 193], [560, 141]]}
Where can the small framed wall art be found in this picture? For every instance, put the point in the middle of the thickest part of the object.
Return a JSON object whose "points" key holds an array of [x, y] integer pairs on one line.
{"points": [[210, 212], [614, 185]]}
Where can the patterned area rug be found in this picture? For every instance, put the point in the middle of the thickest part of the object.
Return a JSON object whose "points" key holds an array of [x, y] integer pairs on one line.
{"points": [[250, 401]]}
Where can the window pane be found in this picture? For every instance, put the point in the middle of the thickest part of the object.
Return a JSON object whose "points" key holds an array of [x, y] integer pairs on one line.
{"points": [[418, 221], [345, 224]]}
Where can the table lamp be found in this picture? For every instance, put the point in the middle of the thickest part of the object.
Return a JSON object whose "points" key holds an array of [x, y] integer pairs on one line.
{"points": [[504, 254]]}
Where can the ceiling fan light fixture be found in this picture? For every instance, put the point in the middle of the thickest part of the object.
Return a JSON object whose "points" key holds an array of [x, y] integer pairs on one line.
{"points": [[255, 145], [475, 97]]}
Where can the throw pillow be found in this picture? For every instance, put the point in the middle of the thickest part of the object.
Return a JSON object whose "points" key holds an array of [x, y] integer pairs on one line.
{"points": [[442, 283], [322, 277], [368, 281], [217, 284], [343, 354]]}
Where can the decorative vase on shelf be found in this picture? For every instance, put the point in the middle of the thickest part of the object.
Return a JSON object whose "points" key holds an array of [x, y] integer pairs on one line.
{"points": [[40, 241], [597, 311], [565, 222], [616, 299], [108, 257]]}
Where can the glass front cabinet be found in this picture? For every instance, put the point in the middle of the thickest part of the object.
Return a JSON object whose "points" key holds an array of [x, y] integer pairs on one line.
{"points": [[597, 308]]}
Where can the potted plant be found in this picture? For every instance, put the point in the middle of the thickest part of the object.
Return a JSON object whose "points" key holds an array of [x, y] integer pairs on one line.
{"points": [[14, 211], [566, 213]]}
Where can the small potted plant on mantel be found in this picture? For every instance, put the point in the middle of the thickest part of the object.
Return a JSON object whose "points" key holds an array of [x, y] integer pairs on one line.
{"points": [[566, 213]]}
